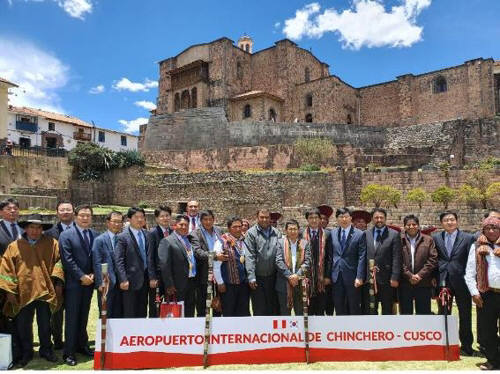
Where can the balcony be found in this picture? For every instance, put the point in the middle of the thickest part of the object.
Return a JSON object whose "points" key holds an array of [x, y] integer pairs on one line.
{"points": [[26, 126], [77, 135]]}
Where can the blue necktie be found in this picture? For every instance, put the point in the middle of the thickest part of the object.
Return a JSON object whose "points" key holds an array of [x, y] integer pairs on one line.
{"points": [[115, 240], [142, 248], [343, 239], [378, 237], [15, 234], [449, 246], [86, 238]]}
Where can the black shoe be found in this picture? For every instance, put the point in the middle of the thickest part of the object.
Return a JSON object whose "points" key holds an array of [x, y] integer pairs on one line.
{"points": [[58, 345], [24, 361], [487, 366], [86, 352], [70, 360], [49, 356], [469, 352]]}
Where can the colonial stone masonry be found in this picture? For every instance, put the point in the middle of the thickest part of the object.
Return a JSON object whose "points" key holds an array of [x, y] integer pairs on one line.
{"points": [[285, 83]]}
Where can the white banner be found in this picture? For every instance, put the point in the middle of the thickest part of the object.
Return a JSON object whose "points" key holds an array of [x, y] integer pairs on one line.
{"points": [[175, 342]]}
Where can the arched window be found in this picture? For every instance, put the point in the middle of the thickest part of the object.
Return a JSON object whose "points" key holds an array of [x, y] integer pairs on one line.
{"points": [[239, 70], [349, 119], [177, 102], [272, 115], [309, 117], [307, 75], [309, 100], [247, 111], [194, 97], [440, 85], [185, 99], [247, 47]]}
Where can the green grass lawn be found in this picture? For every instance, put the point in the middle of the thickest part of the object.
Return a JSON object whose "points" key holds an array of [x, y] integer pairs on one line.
{"points": [[465, 363]]}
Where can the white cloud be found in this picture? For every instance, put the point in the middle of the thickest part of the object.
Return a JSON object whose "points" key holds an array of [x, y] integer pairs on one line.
{"points": [[38, 74], [149, 105], [125, 84], [366, 23], [277, 24], [74, 8], [133, 125], [97, 89]]}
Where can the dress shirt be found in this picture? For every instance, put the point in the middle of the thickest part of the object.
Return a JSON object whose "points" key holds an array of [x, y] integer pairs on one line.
{"points": [[413, 244], [493, 270], [293, 249], [453, 237], [217, 264], [81, 230], [20, 231], [345, 233], [65, 227], [376, 235], [112, 237], [143, 240], [189, 253]]}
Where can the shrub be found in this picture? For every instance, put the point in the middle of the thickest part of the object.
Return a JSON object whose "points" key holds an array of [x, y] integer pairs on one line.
{"points": [[417, 196], [313, 151], [310, 167], [377, 194], [493, 194], [470, 195], [444, 195]]}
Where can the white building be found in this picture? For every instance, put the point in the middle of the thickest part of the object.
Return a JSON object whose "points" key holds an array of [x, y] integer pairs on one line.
{"points": [[28, 127], [4, 103]]}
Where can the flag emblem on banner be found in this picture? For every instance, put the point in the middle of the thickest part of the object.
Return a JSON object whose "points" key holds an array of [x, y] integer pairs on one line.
{"points": [[279, 324]]}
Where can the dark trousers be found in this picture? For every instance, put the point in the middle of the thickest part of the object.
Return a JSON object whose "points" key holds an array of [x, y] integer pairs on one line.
{"points": [[464, 304], [421, 296], [188, 296], [152, 300], [317, 304], [135, 302], [24, 328], [384, 296], [346, 297], [56, 325], [297, 302], [200, 296], [488, 317], [264, 298], [77, 301], [113, 302], [330, 306], [236, 300]]}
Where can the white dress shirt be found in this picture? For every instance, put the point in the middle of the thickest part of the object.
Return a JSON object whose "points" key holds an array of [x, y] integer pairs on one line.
{"points": [[493, 270], [413, 245], [217, 264], [293, 249]]}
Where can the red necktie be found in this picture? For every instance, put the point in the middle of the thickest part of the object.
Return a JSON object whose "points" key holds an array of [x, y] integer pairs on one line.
{"points": [[193, 223], [165, 233]]}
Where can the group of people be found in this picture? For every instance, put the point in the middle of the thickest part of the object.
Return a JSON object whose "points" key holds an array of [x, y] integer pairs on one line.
{"points": [[347, 270]]}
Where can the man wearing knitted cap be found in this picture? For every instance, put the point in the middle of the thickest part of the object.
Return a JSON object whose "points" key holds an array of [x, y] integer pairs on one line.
{"points": [[483, 280]]}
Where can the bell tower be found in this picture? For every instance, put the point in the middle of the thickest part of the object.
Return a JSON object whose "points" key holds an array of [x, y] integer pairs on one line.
{"points": [[245, 43]]}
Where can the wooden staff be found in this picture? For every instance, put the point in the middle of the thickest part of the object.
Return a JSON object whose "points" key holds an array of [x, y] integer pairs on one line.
{"points": [[157, 301], [305, 308], [373, 286], [104, 312], [208, 309]]}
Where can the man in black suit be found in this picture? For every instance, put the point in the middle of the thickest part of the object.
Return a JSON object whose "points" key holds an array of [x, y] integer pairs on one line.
{"points": [[178, 265], [132, 265], [9, 229], [203, 239], [75, 245], [384, 245], [346, 264], [453, 250], [163, 214], [66, 215]]}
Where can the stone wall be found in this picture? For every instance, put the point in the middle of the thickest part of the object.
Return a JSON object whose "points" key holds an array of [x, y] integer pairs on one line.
{"points": [[33, 201]]}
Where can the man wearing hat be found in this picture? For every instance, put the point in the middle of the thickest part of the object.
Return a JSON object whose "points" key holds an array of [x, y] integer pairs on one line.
{"points": [[325, 212], [360, 219], [274, 218], [482, 277], [31, 273]]}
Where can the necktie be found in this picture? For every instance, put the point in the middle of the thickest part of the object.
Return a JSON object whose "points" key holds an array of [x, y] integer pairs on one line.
{"points": [[343, 239], [86, 238], [193, 223], [142, 247], [15, 233], [165, 233], [449, 246], [314, 234], [115, 241], [378, 238]]}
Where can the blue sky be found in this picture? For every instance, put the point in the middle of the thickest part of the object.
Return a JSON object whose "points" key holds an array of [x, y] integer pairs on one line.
{"points": [[97, 59]]}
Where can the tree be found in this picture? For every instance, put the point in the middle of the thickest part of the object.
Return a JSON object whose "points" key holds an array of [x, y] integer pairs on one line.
{"points": [[493, 194], [478, 180], [417, 196], [471, 195], [393, 196], [444, 195], [377, 194], [313, 151]]}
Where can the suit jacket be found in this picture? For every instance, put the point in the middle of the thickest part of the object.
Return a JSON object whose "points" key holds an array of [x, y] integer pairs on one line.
{"points": [[5, 237], [76, 255], [129, 265], [55, 231], [425, 261], [352, 260], [452, 268], [315, 249], [103, 253], [155, 236], [387, 255], [283, 271], [174, 264], [200, 247]]}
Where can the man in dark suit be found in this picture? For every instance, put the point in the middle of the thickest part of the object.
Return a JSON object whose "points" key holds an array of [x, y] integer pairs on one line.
{"points": [[103, 253], [178, 265], [9, 229], [66, 215], [346, 264], [163, 215], [193, 208], [384, 246], [75, 245], [203, 240], [453, 250], [131, 265], [419, 256]]}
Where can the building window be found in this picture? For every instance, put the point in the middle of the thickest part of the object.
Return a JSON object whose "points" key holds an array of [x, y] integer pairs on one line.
{"points": [[239, 70], [247, 111], [177, 102], [307, 75], [52, 126], [194, 97], [440, 85], [349, 119], [247, 47], [309, 100], [185, 99], [272, 115], [124, 140], [309, 117], [102, 136]]}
